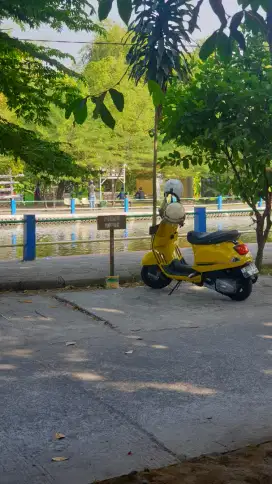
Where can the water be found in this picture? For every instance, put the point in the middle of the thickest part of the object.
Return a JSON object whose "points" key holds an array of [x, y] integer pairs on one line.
{"points": [[81, 231]]}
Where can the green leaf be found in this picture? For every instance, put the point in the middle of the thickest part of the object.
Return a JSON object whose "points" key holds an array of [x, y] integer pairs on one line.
{"points": [[238, 36], [104, 9], [224, 47], [219, 10], [208, 47], [244, 3], [106, 116], [69, 109], [98, 100], [80, 111], [156, 92], [194, 17], [186, 164], [265, 4], [269, 176], [79, 108], [118, 99], [255, 22], [236, 20], [125, 10]]}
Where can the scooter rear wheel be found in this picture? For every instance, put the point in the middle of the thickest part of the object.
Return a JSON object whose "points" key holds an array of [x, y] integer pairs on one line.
{"points": [[244, 291], [153, 277]]}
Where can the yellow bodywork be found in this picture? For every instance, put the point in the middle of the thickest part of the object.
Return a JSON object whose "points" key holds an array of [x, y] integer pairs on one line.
{"points": [[207, 258]]}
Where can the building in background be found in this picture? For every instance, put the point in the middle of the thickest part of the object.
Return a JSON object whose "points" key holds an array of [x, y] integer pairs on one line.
{"points": [[146, 184]]}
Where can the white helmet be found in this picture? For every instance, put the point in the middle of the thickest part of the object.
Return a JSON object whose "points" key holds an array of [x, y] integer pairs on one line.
{"points": [[174, 213], [173, 187]]}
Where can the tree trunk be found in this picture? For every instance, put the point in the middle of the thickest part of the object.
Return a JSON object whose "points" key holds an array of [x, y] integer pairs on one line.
{"points": [[269, 29], [260, 251], [155, 160], [60, 190], [263, 228], [112, 193]]}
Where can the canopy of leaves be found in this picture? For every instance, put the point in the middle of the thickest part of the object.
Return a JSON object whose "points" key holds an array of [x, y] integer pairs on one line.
{"points": [[108, 44], [161, 30], [159, 34], [75, 14], [224, 114], [28, 147], [129, 142], [24, 147], [92, 145], [32, 77]]}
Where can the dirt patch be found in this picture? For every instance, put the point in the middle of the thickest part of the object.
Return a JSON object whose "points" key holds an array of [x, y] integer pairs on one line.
{"points": [[252, 465]]}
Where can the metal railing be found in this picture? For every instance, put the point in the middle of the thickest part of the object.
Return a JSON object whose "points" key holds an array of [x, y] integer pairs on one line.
{"points": [[74, 205], [29, 230]]}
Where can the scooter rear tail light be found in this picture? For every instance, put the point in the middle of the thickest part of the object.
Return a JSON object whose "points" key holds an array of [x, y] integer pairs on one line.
{"points": [[242, 249]]}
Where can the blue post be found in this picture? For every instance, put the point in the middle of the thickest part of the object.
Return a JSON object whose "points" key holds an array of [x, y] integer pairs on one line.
{"points": [[220, 202], [73, 206], [14, 243], [29, 238], [73, 238], [126, 204], [13, 206], [14, 239], [260, 202], [200, 219]]}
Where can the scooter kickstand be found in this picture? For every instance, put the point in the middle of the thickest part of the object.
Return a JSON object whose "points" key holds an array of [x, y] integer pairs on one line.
{"points": [[174, 288]]}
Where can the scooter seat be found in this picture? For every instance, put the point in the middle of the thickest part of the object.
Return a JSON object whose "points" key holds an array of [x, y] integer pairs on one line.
{"points": [[209, 238]]}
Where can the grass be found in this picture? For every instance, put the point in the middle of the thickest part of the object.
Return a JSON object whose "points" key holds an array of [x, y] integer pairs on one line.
{"points": [[266, 270]]}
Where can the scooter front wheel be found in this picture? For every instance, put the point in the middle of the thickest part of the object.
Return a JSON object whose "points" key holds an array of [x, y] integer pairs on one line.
{"points": [[153, 277], [244, 291]]}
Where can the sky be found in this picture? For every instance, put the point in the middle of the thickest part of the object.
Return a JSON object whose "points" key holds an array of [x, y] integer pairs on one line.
{"points": [[208, 22]]}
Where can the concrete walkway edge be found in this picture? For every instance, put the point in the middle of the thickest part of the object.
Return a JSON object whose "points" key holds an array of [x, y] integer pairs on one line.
{"points": [[80, 271]]}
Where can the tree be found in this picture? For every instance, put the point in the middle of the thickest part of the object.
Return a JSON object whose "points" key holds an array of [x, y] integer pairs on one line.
{"points": [[32, 77], [255, 15], [224, 114], [130, 142], [92, 144], [108, 44], [35, 151]]}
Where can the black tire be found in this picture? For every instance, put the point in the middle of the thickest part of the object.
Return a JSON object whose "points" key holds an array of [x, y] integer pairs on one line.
{"points": [[244, 291], [153, 277]]}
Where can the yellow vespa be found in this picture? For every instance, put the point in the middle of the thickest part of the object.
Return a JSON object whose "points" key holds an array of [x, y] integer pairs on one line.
{"points": [[222, 262]]}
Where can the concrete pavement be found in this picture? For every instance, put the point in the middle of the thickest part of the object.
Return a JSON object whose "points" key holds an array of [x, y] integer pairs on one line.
{"points": [[148, 380], [80, 271]]}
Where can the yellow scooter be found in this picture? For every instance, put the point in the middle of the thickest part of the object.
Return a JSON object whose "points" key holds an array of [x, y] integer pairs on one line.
{"points": [[222, 262]]}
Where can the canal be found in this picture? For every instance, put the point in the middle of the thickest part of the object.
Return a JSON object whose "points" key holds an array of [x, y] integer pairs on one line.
{"points": [[73, 232]]}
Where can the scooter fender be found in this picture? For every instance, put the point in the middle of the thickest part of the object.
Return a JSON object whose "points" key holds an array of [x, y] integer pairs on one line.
{"points": [[149, 259]]}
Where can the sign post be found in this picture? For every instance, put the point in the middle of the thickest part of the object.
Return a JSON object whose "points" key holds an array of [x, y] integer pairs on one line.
{"points": [[111, 251], [111, 223]]}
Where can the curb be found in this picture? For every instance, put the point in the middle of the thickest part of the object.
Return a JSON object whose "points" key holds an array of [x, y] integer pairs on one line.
{"points": [[61, 283]]}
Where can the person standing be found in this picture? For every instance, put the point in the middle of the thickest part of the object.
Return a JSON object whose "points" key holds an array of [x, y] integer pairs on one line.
{"points": [[37, 193], [92, 197], [121, 195]]}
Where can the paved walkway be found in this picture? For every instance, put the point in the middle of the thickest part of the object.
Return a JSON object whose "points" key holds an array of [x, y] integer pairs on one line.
{"points": [[165, 378], [80, 271]]}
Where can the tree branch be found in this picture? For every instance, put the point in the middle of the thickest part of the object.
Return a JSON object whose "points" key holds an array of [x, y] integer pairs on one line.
{"points": [[237, 174]]}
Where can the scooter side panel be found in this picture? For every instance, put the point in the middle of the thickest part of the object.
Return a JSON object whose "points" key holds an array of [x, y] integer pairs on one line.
{"points": [[218, 256]]}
